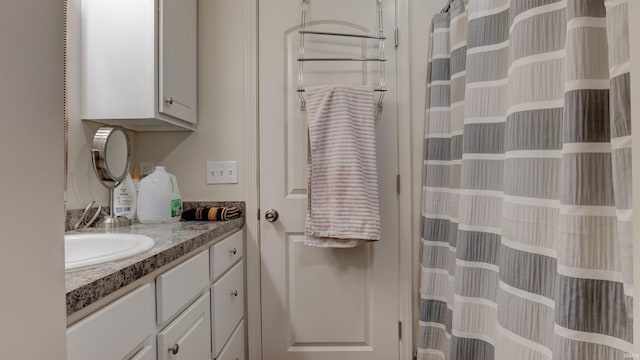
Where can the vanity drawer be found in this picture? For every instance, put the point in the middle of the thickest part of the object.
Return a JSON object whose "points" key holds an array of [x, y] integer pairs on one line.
{"points": [[226, 253], [109, 333], [227, 305], [178, 286], [188, 337], [234, 349]]}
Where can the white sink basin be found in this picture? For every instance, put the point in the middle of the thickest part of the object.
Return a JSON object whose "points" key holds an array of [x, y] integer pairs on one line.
{"points": [[90, 249]]}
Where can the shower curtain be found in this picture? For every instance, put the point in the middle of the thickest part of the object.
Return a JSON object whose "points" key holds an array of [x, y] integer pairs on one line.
{"points": [[526, 243]]}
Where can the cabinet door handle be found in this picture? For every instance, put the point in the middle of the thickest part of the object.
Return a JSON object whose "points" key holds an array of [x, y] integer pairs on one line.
{"points": [[169, 100], [234, 293], [233, 251], [174, 349]]}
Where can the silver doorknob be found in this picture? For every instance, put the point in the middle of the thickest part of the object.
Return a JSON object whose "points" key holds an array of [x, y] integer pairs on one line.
{"points": [[174, 349], [169, 100], [271, 215]]}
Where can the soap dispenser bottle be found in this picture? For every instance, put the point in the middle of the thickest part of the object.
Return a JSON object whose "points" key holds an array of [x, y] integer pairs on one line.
{"points": [[125, 198]]}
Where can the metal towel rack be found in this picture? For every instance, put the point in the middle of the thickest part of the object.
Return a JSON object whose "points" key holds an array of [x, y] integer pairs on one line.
{"points": [[379, 36]]}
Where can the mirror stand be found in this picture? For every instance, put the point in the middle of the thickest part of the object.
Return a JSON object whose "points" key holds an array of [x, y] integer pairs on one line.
{"points": [[112, 221], [110, 157]]}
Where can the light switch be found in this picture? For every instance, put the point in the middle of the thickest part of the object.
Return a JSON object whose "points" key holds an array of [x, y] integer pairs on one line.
{"points": [[146, 168], [222, 172]]}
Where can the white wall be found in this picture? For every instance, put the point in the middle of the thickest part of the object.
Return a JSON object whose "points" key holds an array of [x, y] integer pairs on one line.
{"points": [[222, 112], [32, 305]]}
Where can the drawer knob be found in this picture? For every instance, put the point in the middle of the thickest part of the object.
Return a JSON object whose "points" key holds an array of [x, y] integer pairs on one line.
{"points": [[169, 100], [174, 349], [233, 251], [234, 293]]}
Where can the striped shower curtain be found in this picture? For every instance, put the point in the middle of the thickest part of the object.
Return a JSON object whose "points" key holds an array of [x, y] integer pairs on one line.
{"points": [[526, 243]]}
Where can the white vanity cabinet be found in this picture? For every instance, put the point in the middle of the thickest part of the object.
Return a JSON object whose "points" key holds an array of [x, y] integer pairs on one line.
{"points": [[139, 63], [193, 310]]}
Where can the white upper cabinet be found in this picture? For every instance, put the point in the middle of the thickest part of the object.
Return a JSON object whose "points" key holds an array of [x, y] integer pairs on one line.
{"points": [[178, 59], [139, 63]]}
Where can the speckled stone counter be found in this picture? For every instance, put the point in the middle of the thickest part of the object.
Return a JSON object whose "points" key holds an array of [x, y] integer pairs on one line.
{"points": [[87, 285]]}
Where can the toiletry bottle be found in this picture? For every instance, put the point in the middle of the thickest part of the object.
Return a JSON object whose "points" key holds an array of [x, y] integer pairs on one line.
{"points": [[125, 198], [159, 197], [134, 176], [136, 183]]}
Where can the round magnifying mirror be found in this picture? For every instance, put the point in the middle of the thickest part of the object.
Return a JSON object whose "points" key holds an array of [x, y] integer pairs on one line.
{"points": [[110, 155]]}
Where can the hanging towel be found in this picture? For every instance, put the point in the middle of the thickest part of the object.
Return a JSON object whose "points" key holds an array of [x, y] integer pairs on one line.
{"points": [[342, 177]]}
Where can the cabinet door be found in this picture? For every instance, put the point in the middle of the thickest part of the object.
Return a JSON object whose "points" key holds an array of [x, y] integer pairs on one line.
{"points": [[115, 330], [227, 296], [177, 57], [188, 337], [234, 349], [117, 57], [147, 353]]}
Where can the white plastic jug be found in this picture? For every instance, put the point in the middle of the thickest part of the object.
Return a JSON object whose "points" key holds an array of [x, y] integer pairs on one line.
{"points": [[159, 198]]}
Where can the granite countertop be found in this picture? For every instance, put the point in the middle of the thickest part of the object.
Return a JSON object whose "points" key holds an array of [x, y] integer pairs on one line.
{"points": [[87, 285]]}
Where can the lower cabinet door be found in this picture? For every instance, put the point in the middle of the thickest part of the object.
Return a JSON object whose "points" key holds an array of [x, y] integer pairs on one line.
{"points": [[227, 303], [188, 337], [234, 349], [114, 331], [147, 353]]}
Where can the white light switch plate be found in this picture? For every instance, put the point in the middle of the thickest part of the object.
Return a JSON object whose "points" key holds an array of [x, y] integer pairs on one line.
{"points": [[146, 168], [222, 172]]}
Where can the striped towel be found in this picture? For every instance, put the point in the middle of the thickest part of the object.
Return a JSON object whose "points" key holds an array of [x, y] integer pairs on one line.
{"points": [[342, 177], [211, 214]]}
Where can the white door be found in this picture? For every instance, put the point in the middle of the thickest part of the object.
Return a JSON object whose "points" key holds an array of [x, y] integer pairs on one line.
{"points": [[319, 303]]}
